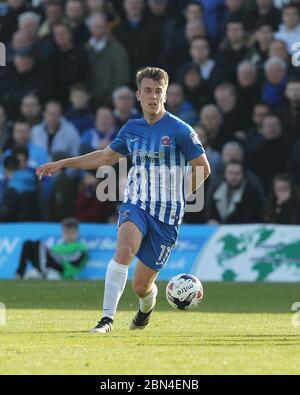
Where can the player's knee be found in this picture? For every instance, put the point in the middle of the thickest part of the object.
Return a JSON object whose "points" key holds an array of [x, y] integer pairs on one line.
{"points": [[125, 253], [140, 289]]}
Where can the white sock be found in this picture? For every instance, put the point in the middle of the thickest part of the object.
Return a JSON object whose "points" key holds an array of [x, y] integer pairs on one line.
{"points": [[115, 281], [148, 302]]}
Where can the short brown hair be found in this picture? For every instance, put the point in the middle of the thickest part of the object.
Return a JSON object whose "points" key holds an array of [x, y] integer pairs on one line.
{"points": [[154, 73], [70, 223]]}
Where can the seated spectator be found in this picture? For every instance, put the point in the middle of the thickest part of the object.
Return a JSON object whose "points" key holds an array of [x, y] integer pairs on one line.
{"points": [[102, 134], [142, 39], [264, 12], [88, 207], [274, 86], [233, 50], [278, 49], [289, 113], [248, 92], [69, 62], [234, 120], [65, 259], [20, 41], [294, 162], [195, 89], [108, 63], [54, 14], [108, 8], [178, 46], [21, 137], [177, 104], [5, 131], [55, 133], [213, 156], [19, 196], [200, 56], [9, 18], [23, 78], [254, 137], [270, 156], [80, 113], [124, 106], [235, 200], [31, 109], [42, 48], [263, 35], [235, 9], [289, 30], [75, 14], [283, 206], [211, 120]]}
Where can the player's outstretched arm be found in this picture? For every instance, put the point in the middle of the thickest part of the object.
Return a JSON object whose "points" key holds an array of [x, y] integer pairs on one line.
{"points": [[89, 161]]}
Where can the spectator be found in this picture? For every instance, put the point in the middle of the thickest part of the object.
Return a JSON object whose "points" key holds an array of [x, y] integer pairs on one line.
{"points": [[278, 49], [178, 46], [69, 62], [263, 35], [19, 200], [88, 207], [195, 88], [211, 120], [31, 109], [9, 21], [124, 106], [270, 156], [80, 113], [5, 131], [283, 206], [274, 86], [214, 11], [102, 134], [23, 78], [21, 137], [64, 259], [235, 200], [75, 19], [200, 55], [289, 30], [55, 133], [234, 121], [235, 9], [178, 105], [254, 137], [42, 48], [264, 12], [139, 36], [233, 50], [248, 92], [54, 14], [20, 41], [290, 111], [294, 162], [107, 8], [108, 66]]}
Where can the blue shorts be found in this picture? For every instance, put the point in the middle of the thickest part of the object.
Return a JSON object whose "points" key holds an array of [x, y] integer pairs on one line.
{"points": [[158, 238]]}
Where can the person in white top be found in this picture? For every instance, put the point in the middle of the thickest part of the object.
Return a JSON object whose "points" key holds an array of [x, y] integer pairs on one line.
{"points": [[289, 30]]}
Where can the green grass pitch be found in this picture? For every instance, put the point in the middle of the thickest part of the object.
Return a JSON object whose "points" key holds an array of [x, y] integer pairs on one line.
{"points": [[238, 328]]}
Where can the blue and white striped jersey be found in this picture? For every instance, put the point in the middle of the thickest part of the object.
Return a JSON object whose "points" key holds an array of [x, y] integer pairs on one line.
{"points": [[160, 155]]}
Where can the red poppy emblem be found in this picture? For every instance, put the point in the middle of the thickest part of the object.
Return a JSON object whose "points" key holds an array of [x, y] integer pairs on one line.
{"points": [[165, 141]]}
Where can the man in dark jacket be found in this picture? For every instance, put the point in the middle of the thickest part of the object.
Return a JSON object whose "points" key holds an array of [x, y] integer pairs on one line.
{"points": [[235, 200]]}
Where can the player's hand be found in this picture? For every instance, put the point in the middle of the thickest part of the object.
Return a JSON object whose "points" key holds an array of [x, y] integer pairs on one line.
{"points": [[48, 169]]}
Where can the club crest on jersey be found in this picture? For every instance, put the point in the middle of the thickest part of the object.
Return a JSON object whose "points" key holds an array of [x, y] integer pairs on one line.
{"points": [[165, 141], [126, 213], [195, 138]]}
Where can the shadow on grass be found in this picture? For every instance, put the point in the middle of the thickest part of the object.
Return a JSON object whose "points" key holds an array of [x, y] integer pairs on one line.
{"points": [[87, 296]]}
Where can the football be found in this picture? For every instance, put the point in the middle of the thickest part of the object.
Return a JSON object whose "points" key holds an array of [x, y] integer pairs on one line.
{"points": [[184, 291]]}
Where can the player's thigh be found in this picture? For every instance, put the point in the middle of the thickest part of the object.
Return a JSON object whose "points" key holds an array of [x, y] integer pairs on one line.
{"points": [[128, 242], [143, 278]]}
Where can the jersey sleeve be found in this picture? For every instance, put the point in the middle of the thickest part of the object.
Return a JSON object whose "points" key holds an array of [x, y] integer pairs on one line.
{"points": [[188, 142], [119, 143]]}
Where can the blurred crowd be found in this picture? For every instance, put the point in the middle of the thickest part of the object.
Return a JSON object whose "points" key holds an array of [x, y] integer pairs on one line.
{"points": [[68, 86]]}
